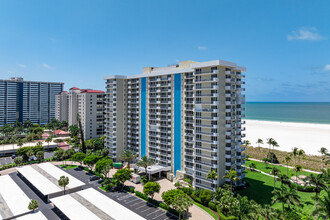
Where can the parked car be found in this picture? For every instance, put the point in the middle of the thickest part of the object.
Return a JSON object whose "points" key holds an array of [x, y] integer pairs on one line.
{"points": [[93, 178], [100, 181], [13, 156]]}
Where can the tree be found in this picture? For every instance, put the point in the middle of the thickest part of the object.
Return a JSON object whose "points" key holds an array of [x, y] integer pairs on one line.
{"points": [[252, 166], [122, 175], [33, 205], [275, 171], [259, 141], [79, 157], [91, 160], [247, 143], [287, 160], [13, 140], [18, 161], [297, 169], [284, 179], [270, 142], [59, 153], [232, 176], [212, 175], [169, 196], [324, 152], [40, 155], [181, 204], [145, 162], [20, 142], [29, 154], [319, 183], [82, 139], [301, 153], [285, 196], [63, 181], [74, 131], [294, 154], [103, 166], [28, 124], [48, 140], [128, 156], [150, 188], [323, 209]]}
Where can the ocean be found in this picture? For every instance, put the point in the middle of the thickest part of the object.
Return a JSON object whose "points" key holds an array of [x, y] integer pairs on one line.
{"points": [[303, 112]]}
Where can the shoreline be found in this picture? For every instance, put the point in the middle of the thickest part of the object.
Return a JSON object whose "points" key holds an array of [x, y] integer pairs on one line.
{"points": [[307, 136], [295, 122]]}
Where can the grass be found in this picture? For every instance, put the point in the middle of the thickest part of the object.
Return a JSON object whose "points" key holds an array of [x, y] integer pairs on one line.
{"points": [[309, 162], [209, 211], [103, 188], [283, 169], [67, 167], [261, 187]]}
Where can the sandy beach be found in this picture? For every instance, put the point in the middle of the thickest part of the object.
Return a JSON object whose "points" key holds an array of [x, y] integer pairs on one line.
{"points": [[309, 137]]}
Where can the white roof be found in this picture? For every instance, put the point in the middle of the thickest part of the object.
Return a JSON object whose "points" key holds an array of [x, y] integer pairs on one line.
{"points": [[73, 209], [13, 196], [42, 183], [109, 206], [33, 216], [57, 173]]}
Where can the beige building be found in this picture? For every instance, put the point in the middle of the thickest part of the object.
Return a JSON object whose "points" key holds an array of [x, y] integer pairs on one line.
{"points": [[89, 104], [186, 117]]}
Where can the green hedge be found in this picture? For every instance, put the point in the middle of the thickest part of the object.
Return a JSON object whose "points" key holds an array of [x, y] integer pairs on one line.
{"points": [[303, 188], [11, 165], [212, 206], [223, 217]]}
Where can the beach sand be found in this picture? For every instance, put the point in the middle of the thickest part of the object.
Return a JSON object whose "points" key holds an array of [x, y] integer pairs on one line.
{"points": [[309, 137]]}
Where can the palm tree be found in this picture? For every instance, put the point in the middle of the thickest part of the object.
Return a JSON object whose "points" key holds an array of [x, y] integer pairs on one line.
{"points": [[297, 169], [275, 171], [324, 152], [284, 179], [270, 142], [294, 154], [63, 181], [13, 140], [287, 160], [28, 124], [232, 176], [20, 142], [252, 166], [259, 141], [301, 153], [285, 196], [145, 162], [181, 204], [128, 156], [323, 209], [319, 183], [212, 175], [247, 143], [49, 139]]}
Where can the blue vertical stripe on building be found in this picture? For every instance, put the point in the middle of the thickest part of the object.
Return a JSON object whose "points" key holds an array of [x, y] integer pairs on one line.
{"points": [[143, 115], [177, 122], [20, 104]]}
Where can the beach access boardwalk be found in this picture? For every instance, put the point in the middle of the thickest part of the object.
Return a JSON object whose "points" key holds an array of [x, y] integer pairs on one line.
{"points": [[14, 202], [92, 204], [43, 179]]}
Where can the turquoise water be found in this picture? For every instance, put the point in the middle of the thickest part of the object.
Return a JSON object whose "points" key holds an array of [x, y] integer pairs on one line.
{"points": [[308, 112]]}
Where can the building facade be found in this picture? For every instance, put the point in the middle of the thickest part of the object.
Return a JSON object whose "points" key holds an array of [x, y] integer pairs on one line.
{"points": [[27, 100], [89, 104], [187, 117]]}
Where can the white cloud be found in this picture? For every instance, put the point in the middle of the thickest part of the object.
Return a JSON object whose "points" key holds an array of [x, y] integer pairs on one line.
{"points": [[47, 66], [22, 65], [326, 67], [304, 33], [202, 48]]}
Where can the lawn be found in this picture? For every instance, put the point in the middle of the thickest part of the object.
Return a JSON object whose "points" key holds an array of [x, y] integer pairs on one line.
{"points": [[261, 187], [262, 166], [67, 167]]}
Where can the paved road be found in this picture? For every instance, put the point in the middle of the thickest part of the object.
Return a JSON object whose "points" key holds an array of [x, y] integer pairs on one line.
{"points": [[135, 204], [8, 160]]}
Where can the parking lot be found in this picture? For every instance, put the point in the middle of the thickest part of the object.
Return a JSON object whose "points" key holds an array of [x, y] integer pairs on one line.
{"points": [[135, 204]]}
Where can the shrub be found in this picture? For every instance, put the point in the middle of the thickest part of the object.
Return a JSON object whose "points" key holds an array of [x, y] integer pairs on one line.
{"points": [[188, 190], [206, 196], [212, 206], [141, 195], [131, 189]]}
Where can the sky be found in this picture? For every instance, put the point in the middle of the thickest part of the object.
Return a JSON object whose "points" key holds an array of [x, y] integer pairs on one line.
{"points": [[284, 44]]}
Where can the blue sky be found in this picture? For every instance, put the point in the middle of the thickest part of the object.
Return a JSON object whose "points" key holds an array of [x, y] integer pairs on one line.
{"points": [[285, 45]]}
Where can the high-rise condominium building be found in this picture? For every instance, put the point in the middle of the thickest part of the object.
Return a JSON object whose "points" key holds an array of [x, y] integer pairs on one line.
{"points": [[186, 117], [89, 104], [26, 100]]}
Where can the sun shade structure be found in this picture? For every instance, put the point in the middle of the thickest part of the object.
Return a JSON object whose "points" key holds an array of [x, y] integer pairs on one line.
{"points": [[14, 202], [92, 204], [43, 179]]}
